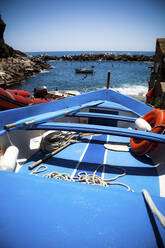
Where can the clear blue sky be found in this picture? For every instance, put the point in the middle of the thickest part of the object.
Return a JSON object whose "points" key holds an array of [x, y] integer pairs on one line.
{"points": [[71, 25]]}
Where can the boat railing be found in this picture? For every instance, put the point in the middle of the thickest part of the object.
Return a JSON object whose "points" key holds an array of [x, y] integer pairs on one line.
{"points": [[99, 129]]}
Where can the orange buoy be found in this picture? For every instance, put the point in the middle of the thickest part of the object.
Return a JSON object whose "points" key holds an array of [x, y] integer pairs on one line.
{"points": [[156, 118]]}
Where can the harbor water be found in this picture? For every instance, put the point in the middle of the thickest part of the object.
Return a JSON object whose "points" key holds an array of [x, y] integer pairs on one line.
{"points": [[128, 77]]}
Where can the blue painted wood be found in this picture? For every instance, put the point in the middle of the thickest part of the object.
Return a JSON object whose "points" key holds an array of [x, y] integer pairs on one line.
{"points": [[114, 106], [68, 159], [132, 104], [42, 212], [94, 156], [101, 130], [140, 171], [111, 97], [50, 115], [14, 115], [50, 213], [104, 116], [65, 161]]}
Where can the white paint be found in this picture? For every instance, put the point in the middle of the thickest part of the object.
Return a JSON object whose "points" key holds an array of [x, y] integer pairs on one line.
{"points": [[105, 158], [81, 158]]}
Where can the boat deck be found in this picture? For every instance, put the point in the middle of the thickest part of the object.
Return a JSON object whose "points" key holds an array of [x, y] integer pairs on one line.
{"points": [[59, 214], [88, 154], [45, 212]]}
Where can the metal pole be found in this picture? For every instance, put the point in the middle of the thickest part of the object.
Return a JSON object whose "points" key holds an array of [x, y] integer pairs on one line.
{"points": [[108, 79]]}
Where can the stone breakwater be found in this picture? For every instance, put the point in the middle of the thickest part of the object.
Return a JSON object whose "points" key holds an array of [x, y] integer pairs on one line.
{"points": [[99, 57], [19, 67]]}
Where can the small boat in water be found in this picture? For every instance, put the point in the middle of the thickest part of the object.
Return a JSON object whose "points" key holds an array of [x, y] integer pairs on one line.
{"points": [[10, 99], [84, 171], [84, 70]]}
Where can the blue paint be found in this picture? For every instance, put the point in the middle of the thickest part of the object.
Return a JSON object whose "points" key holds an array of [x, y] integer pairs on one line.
{"points": [[29, 113], [65, 161], [119, 139], [103, 115], [114, 106], [100, 130], [41, 213], [94, 156], [140, 171]]}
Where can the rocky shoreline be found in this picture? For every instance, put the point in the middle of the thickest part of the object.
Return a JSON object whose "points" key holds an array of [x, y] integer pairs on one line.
{"points": [[19, 67]]}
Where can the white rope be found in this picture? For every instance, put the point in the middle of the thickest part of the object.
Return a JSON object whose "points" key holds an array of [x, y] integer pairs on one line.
{"points": [[94, 179], [153, 207], [53, 140], [40, 169], [9, 138]]}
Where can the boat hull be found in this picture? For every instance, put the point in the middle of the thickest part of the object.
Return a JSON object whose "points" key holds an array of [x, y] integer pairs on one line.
{"points": [[84, 71], [62, 214], [59, 213]]}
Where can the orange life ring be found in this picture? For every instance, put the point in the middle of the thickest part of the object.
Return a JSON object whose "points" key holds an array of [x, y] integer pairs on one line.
{"points": [[155, 118]]}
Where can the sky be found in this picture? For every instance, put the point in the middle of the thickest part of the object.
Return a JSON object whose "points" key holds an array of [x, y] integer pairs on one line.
{"points": [[83, 25]]}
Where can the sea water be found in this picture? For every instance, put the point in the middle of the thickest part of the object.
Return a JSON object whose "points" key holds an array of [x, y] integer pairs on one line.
{"points": [[129, 78]]}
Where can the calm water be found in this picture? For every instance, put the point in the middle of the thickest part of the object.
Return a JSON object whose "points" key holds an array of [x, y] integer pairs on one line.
{"points": [[130, 78]]}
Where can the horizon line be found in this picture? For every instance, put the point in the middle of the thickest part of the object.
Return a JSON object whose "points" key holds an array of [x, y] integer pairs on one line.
{"points": [[91, 51]]}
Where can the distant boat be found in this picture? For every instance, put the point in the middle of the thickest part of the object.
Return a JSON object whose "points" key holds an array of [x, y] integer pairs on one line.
{"points": [[84, 70]]}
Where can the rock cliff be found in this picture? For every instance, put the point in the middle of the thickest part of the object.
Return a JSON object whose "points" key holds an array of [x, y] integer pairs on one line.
{"points": [[5, 50], [16, 66]]}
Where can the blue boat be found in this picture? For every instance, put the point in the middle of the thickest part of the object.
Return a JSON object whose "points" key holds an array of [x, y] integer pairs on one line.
{"points": [[84, 171]]}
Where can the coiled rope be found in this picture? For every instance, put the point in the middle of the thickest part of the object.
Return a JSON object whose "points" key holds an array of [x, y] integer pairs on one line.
{"points": [[53, 140], [84, 177]]}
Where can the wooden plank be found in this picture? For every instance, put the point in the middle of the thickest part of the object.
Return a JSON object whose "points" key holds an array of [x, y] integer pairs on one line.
{"points": [[101, 130]]}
